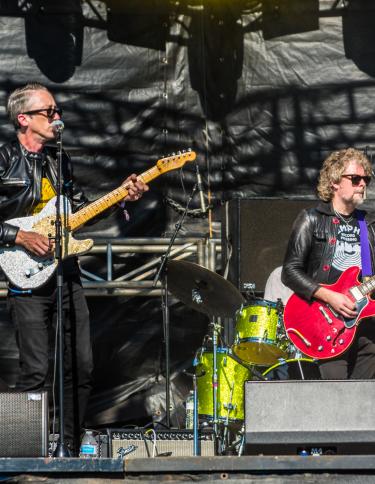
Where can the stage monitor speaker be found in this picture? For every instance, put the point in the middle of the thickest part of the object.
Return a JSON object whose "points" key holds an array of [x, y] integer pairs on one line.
{"points": [[255, 233], [310, 416], [23, 424], [141, 443]]}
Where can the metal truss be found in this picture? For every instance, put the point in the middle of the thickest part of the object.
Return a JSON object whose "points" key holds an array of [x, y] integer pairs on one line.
{"points": [[139, 280]]}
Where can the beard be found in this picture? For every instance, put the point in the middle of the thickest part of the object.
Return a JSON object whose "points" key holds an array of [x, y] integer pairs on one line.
{"points": [[359, 198]]}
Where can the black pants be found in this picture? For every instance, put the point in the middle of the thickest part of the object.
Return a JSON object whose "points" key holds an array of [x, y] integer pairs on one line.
{"points": [[33, 315], [358, 362]]}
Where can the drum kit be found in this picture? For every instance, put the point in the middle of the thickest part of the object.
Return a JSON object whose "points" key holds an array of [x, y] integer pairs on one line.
{"points": [[260, 349]]}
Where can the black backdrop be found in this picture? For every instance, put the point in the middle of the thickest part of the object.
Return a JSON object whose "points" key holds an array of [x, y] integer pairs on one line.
{"points": [[262, 90]]}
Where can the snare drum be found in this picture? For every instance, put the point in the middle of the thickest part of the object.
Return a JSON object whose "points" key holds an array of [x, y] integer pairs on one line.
{"points": [[259, 337], [294, 369], [230, 386]]}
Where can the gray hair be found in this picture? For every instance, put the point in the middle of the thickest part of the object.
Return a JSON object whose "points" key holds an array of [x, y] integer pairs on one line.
{"points": [[19, 99]]}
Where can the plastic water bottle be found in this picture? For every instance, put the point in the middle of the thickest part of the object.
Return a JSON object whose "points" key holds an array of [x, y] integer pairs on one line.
{"points": [[189, 406], [89, 446]]}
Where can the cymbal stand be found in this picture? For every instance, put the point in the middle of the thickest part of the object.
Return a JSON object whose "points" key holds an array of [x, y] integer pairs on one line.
{"points": [[161, 274], [195, 418], [216, 327]]}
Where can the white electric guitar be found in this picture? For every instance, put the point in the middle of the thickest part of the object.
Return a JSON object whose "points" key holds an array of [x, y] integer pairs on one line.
{"points": [[27, 271]]}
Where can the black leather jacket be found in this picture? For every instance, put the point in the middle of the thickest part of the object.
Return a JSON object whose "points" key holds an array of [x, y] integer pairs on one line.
{"points": [[20, 184], [311, 247]]}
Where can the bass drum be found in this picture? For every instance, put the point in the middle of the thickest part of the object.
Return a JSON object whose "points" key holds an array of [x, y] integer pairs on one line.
{"points": [[293, 369]]}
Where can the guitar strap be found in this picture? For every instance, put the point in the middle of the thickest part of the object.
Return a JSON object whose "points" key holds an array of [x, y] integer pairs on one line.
{"points": [[365, 245]]}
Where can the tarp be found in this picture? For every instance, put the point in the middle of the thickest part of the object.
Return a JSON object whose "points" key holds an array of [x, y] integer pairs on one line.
{"points": [[262, 91]]}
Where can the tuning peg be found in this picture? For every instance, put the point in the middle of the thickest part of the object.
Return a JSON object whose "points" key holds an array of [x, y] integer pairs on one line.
{"points": [[178, 153], [189, 149]]}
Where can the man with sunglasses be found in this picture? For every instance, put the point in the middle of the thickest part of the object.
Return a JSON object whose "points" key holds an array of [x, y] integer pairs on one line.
{"points": [[28, 172], [324, 242]]}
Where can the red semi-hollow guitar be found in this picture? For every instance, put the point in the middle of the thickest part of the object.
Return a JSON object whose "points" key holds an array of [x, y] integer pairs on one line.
{"points": [[319, 331]]}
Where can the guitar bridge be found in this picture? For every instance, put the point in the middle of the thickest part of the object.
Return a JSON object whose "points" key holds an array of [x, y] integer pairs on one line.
{"points": [[326, 315]]}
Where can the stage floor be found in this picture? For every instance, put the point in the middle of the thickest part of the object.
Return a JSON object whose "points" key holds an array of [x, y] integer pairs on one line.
{"points": [[269, 469]]}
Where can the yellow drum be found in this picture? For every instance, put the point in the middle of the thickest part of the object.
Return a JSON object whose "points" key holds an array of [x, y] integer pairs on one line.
{"points": [[294, 369], [259, 337], [230, 386]]}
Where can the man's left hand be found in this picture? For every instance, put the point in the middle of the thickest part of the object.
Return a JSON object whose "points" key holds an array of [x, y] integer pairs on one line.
{"points": [[135, 187]]}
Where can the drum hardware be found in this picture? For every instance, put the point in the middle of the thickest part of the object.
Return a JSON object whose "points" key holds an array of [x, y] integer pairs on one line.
{"points": [[211, 294], [300, 368]]}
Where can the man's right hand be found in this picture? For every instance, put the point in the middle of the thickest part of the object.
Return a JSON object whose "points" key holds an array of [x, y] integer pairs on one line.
{"points": [[339, 302], [35, 243]]}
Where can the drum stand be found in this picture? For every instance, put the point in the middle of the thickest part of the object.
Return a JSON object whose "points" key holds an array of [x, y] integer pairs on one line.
{"points": [[298, 356], [216, 327]]}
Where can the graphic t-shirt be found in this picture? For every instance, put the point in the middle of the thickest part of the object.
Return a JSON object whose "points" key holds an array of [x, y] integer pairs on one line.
{"points": [[47, 191], [348, 247]]}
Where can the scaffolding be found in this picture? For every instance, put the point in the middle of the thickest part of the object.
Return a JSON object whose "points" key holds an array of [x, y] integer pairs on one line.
{"points": [[139, 281]]}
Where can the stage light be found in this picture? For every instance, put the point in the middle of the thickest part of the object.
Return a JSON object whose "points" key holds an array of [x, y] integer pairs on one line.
{"points": [[138, 22], [54, 37], [286, 17]]}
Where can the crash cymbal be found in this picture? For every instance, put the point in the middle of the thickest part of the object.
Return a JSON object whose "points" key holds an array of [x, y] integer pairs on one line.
{"points": [[202, 289]]}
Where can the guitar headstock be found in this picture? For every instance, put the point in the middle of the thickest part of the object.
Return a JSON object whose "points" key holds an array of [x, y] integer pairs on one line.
{"points": [[175, 161]]}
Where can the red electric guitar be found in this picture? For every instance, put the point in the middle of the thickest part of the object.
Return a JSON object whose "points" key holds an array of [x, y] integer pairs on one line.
{"points": [[319, 331]]}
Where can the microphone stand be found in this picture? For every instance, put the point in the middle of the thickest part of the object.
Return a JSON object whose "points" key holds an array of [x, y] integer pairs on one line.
{"points": [[61, 449], [161, 274]]}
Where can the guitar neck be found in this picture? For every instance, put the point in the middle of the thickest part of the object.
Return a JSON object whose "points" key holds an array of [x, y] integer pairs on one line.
{"points": [[368, 286], [78, 219]]}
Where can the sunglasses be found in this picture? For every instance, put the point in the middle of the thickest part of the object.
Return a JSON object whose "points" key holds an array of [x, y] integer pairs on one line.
{"points": [[356, 179], [50, 112]]}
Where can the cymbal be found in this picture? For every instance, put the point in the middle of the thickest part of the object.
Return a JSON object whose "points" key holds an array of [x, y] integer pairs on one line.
{"points": [[202, 289]]}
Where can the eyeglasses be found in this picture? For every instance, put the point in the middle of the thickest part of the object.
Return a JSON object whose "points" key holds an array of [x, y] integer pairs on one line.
{"points": [[50, 112], [356, 179]]}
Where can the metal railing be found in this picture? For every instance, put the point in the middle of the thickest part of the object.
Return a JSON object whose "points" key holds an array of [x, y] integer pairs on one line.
{"points": [[139, 280]]}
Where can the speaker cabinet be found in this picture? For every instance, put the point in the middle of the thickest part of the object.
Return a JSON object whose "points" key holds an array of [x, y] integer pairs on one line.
{"points": [[23, 424], [312, 416], [175, 443], [255, 233]]}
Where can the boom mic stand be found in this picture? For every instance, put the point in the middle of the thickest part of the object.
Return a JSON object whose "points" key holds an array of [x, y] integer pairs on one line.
{"points": [[61, 449], [162, 275]]}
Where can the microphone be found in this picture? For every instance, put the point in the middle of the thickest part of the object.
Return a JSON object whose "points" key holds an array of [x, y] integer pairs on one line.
{"points": [[200, 188], [57, 125]]}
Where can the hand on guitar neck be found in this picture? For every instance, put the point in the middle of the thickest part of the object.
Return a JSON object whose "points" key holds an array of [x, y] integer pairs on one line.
{"points": [[340, 303], [35, 243], [135, 188]]}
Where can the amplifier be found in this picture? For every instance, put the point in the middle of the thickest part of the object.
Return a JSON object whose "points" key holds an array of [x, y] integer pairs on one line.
{"points": [[23, 424], [313, 416], [136, 443]]}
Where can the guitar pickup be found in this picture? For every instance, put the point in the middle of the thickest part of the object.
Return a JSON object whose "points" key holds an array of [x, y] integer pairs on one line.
{"points": [[356, 293]]}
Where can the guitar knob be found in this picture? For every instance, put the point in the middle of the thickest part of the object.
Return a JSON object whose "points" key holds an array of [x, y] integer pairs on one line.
{"points": [[320, 348], [341, 341], [27, 273], [40, 266], [328, 338]]}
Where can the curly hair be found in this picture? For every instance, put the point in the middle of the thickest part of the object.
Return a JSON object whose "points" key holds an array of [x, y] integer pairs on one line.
{"points": [[19, 99], [334, 166]]}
